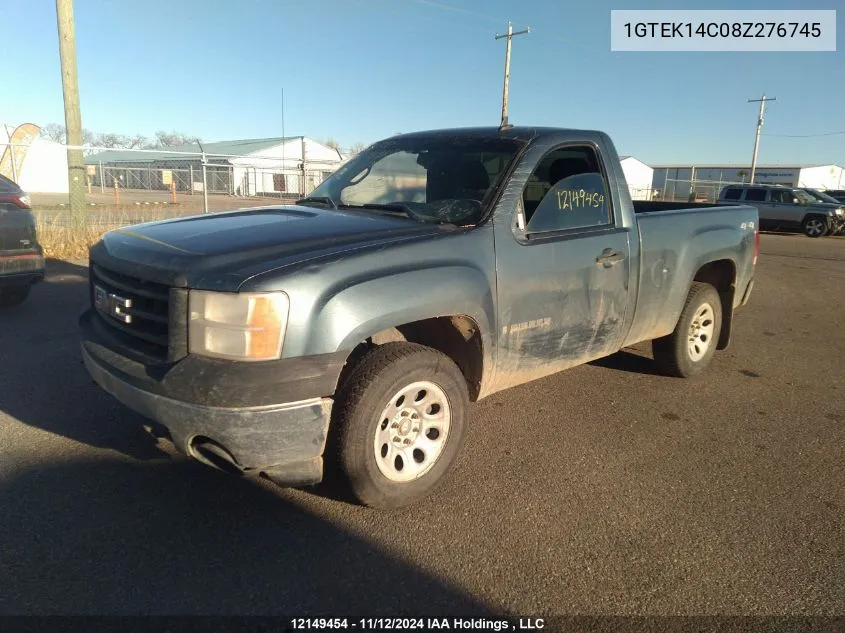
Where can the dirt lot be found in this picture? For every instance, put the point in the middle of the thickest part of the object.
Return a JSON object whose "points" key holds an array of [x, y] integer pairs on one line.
{"points": [[606, 490]]}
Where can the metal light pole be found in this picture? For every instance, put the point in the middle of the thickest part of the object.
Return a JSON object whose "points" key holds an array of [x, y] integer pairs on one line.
{"points": [[509, 35], [204, 162], [757, 135]]}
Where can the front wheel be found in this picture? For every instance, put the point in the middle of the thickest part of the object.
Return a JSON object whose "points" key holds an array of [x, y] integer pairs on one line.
{"points": [[400, 420], [688, 350], [815, 226]]}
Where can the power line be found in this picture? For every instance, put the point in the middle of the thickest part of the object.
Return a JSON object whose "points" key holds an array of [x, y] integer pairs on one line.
{"points": [[806, 135], [449, 7], [372, 5]]}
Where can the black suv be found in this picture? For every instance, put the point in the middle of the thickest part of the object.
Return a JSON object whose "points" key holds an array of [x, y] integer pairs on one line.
{"points": [[21, 256], [839, 194]]}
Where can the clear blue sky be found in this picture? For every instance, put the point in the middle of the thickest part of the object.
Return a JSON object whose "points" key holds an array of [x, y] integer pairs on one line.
{"points": [[359, 70]]}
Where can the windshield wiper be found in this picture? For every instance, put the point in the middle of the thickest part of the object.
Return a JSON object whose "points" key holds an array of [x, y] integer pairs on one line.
{"points": [[404, 208], [392, 206], [318, 199]]}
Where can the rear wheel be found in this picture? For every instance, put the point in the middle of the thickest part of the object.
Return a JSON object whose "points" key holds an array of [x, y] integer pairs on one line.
{"points": [[815, 226], [400, 422], [11, 296], [688, 350]]}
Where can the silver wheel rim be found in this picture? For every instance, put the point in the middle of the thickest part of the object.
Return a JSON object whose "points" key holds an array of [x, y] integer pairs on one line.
{"points": [[814, 227], [412, 431], [701, 332]]}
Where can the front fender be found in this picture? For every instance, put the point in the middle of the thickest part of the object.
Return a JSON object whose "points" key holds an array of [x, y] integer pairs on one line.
{"points": [[360, 310]]}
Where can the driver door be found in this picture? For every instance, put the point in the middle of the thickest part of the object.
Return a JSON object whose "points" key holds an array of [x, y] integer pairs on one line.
{"points": [[563, 272], [786, 207]]}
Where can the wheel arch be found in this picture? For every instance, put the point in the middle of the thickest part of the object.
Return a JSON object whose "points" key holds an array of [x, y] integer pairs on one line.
{"points": [[458, 336], [721, 274]]}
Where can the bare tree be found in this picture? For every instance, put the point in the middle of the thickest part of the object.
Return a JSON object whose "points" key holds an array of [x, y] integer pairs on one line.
{"points": [[171, 139], [111, 140], [54, 132], [136, 141]]}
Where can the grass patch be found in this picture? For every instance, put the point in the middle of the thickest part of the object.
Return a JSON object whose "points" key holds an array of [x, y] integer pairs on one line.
{"points": [[61, 239]]}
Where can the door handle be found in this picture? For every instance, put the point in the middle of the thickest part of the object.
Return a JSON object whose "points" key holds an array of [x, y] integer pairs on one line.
{"points": [[609, 258]]}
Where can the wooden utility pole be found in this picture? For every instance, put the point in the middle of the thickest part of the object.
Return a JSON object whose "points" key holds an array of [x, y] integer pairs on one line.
{"points": [[73, 116], [759, 127], [509, 35]]}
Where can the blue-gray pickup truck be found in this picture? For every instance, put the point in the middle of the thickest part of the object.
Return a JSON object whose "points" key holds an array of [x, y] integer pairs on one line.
{"points": [[348, 333]]}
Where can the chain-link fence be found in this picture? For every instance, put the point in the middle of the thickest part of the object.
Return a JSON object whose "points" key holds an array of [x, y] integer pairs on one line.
{"points": [[190, 177], [230, 175], [691, 190], [129, 184]]}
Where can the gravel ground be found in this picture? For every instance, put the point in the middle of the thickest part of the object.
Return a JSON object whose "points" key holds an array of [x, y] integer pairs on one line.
{"points": [[604, 490]]}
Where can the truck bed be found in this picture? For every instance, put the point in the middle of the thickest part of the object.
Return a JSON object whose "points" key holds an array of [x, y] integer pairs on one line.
{"points": [[650, 206], [674, 245]]}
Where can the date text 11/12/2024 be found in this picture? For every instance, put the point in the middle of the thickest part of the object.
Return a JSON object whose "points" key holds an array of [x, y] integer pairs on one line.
{"points": [[419, 624]]}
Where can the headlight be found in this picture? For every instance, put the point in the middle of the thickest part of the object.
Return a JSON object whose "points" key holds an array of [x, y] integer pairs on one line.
{"points": [[247, 326], [838, 211]]}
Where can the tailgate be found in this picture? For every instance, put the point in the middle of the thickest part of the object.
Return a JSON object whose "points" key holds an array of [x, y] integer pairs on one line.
{"points": [[20, 253], [17, 229]]}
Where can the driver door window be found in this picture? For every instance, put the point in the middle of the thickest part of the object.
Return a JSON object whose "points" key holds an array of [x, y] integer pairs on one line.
{"points": [[567, 191]]}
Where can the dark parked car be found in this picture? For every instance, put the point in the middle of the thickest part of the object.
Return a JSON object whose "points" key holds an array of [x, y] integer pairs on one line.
{"points": [[21, 256], [821, 196], [838, 194]]}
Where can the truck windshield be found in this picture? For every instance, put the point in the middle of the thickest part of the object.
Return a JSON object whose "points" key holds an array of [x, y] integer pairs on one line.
{"points": [[430, 179]]}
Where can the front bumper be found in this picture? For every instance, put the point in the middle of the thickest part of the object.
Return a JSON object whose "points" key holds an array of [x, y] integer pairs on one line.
{"points": [[284, 440]]}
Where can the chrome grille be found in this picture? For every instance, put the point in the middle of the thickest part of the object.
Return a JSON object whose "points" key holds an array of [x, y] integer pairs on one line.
{"points": [[136, 309]]}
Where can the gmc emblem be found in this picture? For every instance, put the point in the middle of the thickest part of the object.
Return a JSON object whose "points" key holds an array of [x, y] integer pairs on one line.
{"points": [[113, 305]]}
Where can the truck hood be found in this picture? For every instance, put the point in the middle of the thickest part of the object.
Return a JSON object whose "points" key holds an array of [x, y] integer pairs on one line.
{"points": [[222, 250]]}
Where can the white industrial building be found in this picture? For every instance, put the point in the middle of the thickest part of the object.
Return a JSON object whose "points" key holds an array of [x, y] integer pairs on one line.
{"points": [[38, 165], [277, 168], [248, 167], [639, 177], [676, 181]]}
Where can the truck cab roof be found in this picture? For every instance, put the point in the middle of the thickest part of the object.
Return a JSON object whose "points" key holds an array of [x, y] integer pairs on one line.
{"points": [[518, 133]]}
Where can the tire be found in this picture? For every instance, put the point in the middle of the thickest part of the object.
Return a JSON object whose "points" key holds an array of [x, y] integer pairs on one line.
{"points": [[815, 226], [11, 296], [682, 355], [390, 450]]}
